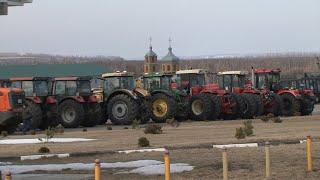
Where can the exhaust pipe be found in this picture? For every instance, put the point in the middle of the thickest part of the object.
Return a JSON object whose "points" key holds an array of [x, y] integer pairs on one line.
{"points": [[252, 78]]}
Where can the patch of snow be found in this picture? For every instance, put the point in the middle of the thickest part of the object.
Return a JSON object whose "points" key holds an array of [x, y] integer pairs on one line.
{"points": [[159, 169], [34, 157], [236, 145], [302, 141], [143, 150], [18, 169], [37, 141], [5, 163]]}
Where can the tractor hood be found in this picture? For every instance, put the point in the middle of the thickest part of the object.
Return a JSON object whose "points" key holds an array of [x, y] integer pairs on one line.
{"points": [[142, 92]]}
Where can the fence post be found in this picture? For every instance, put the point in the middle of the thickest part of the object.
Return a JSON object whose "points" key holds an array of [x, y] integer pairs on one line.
{"points": [[309, 155], [97, 170], [166, 165], [8, 176], [225, 164], [267, 149]]}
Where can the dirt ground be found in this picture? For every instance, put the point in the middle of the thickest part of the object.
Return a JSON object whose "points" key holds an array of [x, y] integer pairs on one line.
{"points": [[288, 161]]}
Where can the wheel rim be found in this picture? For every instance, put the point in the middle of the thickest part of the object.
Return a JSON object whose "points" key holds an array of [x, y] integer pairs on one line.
{"points": [[197, 107], [69, 114], [120, 110], [160, 107]]}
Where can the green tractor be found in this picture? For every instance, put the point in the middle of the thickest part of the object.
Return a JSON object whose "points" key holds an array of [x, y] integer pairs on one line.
{"points": [[167, 101]]}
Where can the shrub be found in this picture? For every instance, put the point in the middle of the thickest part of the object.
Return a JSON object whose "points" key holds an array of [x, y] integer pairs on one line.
{"points": [[33, 132], [174, 123], [153, 129], [248, 128], [126, 127], [143, 142], [4, 133], [109, 128], [277, 120], [135, 124], [240, 134], [59, 129], [84, 130], [44, 150]]}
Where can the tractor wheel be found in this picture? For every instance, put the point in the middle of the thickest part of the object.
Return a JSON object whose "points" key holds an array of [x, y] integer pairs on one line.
{"points": [[237, 107], [94, 115], [163, 107], [291, 106], [259, 105], [307, 106], [122, 109], [275, 105], [216, 104], [36, 112], [201, 107], [250, 106], [71, 114]]}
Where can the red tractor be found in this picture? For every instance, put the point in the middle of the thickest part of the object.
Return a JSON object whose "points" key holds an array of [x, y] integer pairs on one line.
{"points": [[39, 101], [76, 103], [295, 102], [208, 101], [257, 102]]}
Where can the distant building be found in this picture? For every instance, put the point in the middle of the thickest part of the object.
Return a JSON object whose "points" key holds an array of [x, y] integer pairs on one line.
{"points": [[170, 63], [150, 61]]}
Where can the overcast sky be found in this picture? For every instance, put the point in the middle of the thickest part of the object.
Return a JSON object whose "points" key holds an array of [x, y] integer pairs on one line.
{"points": [[197, 27]]}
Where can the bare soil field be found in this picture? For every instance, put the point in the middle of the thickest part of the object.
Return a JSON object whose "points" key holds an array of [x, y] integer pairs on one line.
{"points": [[190, 143]]}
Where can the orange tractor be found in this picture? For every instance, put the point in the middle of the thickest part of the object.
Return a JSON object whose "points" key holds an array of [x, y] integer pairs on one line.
{"points": [[11, 108]]}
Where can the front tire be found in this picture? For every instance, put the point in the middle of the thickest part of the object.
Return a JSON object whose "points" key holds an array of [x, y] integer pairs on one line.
{"points": [[36, 112], [122, 109], [250, 106], [71, 114], [307, 106], [291, 106], [163, 107], [201, 107]]}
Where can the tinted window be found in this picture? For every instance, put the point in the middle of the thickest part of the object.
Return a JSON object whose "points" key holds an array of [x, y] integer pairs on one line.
{"points": [[27, 86], [84, 86], [41, 88], [71, 88], [60, 88], [16, 84]]}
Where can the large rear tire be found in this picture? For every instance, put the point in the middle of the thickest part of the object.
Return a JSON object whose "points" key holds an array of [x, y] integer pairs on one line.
{"points": [[236, 106], [274, 104], [36, 112], [307, 106], [250, 106], [291, 105], [163, 107], [201, 107], [71, 113], [94, 115], [259, 105], [216, 104], [122, 109]]}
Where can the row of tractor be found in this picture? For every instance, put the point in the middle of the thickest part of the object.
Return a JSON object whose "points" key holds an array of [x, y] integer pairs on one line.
{"points": [[200, 95], [187, 94]]}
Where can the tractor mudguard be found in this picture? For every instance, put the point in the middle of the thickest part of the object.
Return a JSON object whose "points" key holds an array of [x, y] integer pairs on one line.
{"points": [[34, 99], [294, 93], [79, 99], [168, 93]]}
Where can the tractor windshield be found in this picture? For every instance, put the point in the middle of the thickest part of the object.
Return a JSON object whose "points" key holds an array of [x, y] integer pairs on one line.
{"points": [[186, 81], [123, 82], [84, 87], [154, 83], [41, 88], [267, 80], [229, 81]]}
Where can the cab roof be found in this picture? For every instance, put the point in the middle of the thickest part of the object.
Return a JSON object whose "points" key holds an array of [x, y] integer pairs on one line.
{"points": [[29, 79], [84, 78], [157, 74], [267, 71], [117, 74], [233, 73], [193, 71]]}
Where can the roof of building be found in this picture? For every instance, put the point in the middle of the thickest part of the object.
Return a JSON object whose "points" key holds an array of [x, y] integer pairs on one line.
{"points": [[51, 70], [150, 53], [170, 56]]}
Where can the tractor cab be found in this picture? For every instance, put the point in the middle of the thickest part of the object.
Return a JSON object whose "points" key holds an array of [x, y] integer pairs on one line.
{"points": [[32, 86], [233, 81], [118, 80], [156, 81], [267, 79], [191, 81]]}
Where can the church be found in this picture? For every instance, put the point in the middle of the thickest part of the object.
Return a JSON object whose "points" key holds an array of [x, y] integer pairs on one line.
{"points": [[168, 64]]}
